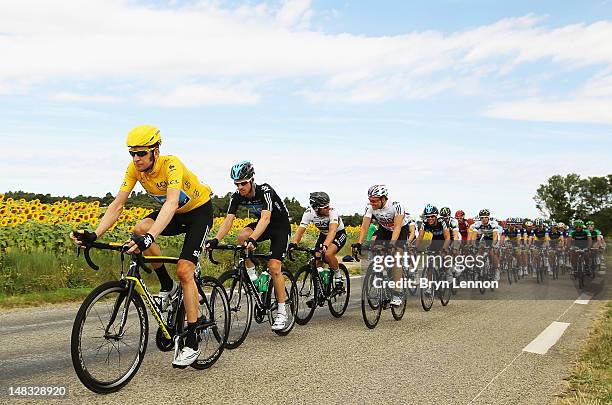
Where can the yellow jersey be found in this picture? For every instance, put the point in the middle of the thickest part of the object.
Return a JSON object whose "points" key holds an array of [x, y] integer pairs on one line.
{"points": [[169, 172]]}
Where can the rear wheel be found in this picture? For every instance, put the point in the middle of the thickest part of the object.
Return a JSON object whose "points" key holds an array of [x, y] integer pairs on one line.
{"points": [[290, 302], [339, 299], [444, 290], [213, 321]]}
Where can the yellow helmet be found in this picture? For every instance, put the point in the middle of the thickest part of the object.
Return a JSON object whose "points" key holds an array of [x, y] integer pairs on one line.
{"points": [[143, 135]]}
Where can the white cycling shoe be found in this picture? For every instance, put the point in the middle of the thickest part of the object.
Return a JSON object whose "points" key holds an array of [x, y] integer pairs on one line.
{"points": [[396, 301], [186, 356], [280, 322]]}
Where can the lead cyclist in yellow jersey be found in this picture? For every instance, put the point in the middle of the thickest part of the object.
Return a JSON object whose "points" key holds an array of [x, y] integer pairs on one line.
{"points": [[186, 208]]}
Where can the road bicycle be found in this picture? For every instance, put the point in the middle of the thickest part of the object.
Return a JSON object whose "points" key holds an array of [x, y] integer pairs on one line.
{"points": [[111, 328], [248, 299], [316, 289]]}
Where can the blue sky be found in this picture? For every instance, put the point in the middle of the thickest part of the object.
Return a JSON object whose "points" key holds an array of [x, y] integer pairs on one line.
{"points": [[470, 104]]}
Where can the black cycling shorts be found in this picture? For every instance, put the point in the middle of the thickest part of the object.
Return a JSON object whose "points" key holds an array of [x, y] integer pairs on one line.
{"points": [[195, 224], [339, 240], [385, 234], [278, 237]]}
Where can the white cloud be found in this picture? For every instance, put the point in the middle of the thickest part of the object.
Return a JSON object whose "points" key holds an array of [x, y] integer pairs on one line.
{"points": [[160, 49], [199, 95], [87, 98], [575, 110]]}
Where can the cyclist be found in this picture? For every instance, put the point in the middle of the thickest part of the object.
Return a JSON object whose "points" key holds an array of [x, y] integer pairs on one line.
{"points": [[393, 224], [488, 230], [555, 235], [272, 224], [579, 238], [463, 225], [332, 236], [514, 235], [540, 238], [186, 208], [598, 241], [440, 234]]}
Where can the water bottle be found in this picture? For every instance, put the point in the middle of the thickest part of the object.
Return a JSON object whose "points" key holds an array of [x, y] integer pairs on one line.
{"points": [[263, 281], [325, 276]]}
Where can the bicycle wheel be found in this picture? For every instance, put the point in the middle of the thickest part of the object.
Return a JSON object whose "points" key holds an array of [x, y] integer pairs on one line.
{"points": [[213, 322], [371, 299], [580, 274], [444, 290], [413, 284], [240, 306], [104, 361], [482, 277], [507, 266], [290, 302], [307, 295], [428, 293], [339, 299], [398, 310]]}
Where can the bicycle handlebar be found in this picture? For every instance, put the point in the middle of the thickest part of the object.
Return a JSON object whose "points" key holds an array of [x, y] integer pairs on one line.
{"points": [[119, 247], [235, 248]]}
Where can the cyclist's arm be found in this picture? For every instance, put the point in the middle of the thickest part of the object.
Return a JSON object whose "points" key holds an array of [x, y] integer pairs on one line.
{"points": [[447, 239], [113, 212], [166, 213], [411, 231], [365, 224], [298, 234], [225, 227], [262, 224], [397, 227]]}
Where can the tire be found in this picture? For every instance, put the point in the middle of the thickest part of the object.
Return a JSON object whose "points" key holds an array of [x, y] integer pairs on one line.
{"points": [[427, 294], [444, 292], [412, 288], [339, 300], [508, 267], [213, 307], [371, 299], [240, 306], [398, 310], [482, 277], [291, 301], [307, 290], [85, 359]]}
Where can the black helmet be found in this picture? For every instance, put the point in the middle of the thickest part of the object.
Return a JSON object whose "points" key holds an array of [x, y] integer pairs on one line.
{"points": [[242, 171], [484, 213], [319, 199], [445, 212], [430, 210]]}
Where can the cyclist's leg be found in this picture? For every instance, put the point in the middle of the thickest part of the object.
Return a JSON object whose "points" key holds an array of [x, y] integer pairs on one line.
{"points": [[243, 236], [196, 225], [142, 228]]}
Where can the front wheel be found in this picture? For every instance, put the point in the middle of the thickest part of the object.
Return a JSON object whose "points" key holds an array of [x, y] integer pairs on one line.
{"points": [[307, 295], [339, 298], [105, 360], [240, 307], [371, 299], [427, 293]]}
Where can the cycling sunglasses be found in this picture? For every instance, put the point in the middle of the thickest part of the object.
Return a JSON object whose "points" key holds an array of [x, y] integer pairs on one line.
{"points": [[241, 183], [141, 153]]}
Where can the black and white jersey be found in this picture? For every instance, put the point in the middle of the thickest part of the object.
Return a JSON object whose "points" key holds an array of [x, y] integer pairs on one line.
{"points": [[485, 230], [386, 215], [436, 230], [322, 222], [453, 225], [265, 198]]}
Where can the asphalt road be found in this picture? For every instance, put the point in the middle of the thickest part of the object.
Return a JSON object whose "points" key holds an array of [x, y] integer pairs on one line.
{"points": [[468, 352]]}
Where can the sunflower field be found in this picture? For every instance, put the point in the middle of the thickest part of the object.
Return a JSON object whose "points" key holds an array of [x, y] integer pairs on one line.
{"points": [[36, 253]]}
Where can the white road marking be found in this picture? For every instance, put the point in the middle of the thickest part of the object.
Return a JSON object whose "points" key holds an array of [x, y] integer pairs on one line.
{"points": [[584, 299], [494, 378], [547, 338], [352, 277]]}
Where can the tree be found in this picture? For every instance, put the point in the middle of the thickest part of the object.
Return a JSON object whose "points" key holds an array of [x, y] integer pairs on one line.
{"points": [[571, 197]]}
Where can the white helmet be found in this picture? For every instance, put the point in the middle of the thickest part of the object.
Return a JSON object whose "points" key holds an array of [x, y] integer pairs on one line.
{"points": [[378, 190]]}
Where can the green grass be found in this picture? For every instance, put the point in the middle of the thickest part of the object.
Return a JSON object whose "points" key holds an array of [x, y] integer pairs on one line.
{"points": [[591, 378]]}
